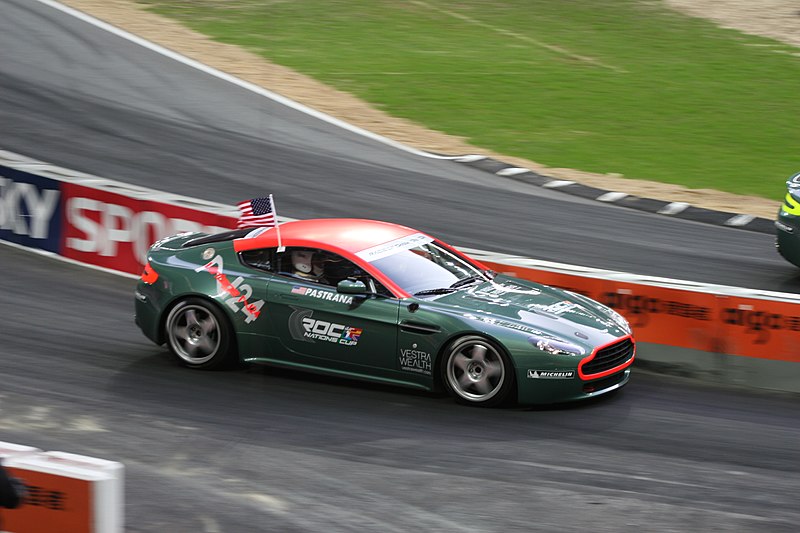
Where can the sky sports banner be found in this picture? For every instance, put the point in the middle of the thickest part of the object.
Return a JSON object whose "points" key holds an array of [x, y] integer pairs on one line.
{"points": [[30, 210], [114, 231], [91, 225]]}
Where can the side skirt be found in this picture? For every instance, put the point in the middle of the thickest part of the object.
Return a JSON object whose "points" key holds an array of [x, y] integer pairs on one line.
{"points": [[333, 372]]}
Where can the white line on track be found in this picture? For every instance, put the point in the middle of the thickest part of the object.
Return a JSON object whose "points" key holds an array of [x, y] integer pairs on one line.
{"points": [[739, 220], [611, 196], [53, 255], [674, 208], [513, 171], [210, 525], [602, 473], [555, 184], [237, 81]]}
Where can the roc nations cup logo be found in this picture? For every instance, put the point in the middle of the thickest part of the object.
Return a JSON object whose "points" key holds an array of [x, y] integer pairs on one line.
{"points": [[303, 327]]}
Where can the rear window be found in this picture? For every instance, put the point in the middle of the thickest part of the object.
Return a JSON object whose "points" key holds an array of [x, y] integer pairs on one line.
{"points": [[218, 237]]}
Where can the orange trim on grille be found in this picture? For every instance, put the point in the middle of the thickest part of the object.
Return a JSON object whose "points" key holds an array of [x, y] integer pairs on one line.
{"points": [[610, 371]]}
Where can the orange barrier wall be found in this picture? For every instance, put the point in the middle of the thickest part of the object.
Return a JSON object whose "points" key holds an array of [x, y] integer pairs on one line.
{"points": [[716, 323], [54, 503]]}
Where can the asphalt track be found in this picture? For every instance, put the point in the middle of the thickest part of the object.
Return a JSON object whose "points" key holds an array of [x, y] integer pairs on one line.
{"points": [[259, 449], [266, 450]]}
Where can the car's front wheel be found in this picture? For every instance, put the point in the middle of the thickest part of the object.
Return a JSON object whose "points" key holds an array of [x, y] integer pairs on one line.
{"points": [[198, 335], [477, 372]]}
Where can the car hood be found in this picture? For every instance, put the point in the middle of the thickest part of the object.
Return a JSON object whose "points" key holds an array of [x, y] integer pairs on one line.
{"points": [[524, 305]]}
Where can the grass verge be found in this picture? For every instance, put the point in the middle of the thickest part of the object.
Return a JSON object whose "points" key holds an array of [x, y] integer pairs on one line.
{"points": [[611, 86]]}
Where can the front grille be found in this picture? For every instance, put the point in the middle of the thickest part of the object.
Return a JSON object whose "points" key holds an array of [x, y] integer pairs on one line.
{"points": [[604, 383], [610, 357]]}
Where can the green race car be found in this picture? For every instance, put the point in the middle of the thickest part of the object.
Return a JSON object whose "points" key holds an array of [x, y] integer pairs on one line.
{"points": [[788, 223], [381, 302]]}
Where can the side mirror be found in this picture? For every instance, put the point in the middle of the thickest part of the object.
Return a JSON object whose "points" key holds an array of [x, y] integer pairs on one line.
{"points": [[349, 286]]}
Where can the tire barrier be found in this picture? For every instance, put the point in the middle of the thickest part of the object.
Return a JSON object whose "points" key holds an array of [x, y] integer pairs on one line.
{"points": [[714, 332], [63, 492]]}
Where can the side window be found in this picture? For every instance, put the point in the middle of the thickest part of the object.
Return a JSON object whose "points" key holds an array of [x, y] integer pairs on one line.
{"points": [[260, 259], [323, 267], [314, 265]]}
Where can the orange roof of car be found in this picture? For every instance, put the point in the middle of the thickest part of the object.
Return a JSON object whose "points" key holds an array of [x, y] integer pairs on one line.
{"points": [[350, 235]]}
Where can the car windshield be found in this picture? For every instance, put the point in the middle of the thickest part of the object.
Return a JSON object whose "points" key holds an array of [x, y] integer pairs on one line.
{"points": [[427, 268]]}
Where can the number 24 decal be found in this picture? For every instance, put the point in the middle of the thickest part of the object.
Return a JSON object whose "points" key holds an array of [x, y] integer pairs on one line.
{"points": [[238, 293]]}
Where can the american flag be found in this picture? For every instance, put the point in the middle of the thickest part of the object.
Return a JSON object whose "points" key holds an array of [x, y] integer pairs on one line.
{"points": [[256, 212]]}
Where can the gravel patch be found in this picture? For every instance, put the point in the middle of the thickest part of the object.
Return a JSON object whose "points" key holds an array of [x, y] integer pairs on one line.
{"points": [[776, 19]]}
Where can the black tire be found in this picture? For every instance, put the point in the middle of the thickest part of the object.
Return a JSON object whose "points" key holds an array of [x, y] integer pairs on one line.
{"points": [[475, 371], [199, 335]]}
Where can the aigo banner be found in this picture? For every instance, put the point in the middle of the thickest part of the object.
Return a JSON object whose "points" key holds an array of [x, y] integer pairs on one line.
{"points": [[715, 323], [665, 315], [112, 230], [759, 328]]}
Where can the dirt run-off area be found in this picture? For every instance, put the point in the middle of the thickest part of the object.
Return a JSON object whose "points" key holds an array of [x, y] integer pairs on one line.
{"points": [[777, 19]]}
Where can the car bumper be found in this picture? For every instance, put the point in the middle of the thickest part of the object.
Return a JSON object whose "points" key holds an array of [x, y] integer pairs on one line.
{"points": [[147, 313], [787, 230], [556, 390]]}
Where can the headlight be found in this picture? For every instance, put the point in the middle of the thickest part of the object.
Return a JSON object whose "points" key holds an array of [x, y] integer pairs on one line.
{"points": [[556, 346]]}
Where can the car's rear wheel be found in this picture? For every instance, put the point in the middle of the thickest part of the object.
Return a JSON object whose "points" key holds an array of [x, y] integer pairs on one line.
{"points": [[198, 335], [477, 372]]}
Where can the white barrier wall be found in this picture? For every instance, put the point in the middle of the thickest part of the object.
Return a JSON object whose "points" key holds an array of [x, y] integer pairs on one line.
{"points": [[66, 493]]}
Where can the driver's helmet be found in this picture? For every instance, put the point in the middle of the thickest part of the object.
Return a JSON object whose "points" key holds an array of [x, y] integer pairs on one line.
{"points": [[302, 261]]}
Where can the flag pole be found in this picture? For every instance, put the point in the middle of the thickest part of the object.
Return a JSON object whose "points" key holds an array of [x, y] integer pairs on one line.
{"points": [[277, 225]]}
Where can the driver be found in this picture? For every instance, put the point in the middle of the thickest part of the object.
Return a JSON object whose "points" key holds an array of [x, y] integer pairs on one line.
{"points": [[307, 266]]}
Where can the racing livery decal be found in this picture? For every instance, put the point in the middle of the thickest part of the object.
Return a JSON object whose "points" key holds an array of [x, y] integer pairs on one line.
{"points": [[322, 294], [558, 308], [237, 291], [392, 247], [507, 324], [303, 327], [499, 290], [551, 374], [415, 361]]}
